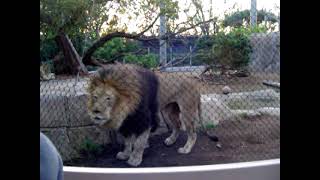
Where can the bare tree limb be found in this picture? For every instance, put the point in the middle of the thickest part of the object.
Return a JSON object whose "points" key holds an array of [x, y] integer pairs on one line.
{"points": [[168, 35], [193, 26], [87, 56]]}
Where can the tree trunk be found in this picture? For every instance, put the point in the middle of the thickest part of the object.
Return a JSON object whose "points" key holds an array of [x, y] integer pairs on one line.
{"points": [[72, 60]]}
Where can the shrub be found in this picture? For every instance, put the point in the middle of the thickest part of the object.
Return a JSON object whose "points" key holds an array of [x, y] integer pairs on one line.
{"points": [[123, 50], [112, 48], [48, 49], [147, 61], [230, 50], [90, 149]]}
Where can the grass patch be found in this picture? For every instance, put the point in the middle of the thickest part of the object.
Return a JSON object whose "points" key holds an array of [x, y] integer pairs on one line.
{"points": [[90, 149]]}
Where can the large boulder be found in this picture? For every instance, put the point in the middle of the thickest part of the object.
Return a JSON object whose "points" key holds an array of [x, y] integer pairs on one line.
{"points": [[64, 118]]}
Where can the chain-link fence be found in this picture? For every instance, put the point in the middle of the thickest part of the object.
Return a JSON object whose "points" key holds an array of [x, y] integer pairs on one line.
{"points": [[226, 85]]}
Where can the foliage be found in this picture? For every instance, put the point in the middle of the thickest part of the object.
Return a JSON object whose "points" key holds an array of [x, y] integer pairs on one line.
{"points": [[91, 149], [68, 15], [147, 60], [237, 18], [83, 20], [88, 16], [203, 51], [48, 49], [128, 51], [230, 50], [114, 47], [210, 126]]}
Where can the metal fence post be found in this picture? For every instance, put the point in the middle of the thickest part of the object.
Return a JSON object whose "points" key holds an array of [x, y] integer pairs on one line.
{"points": [[163, 31], [253, 13]]}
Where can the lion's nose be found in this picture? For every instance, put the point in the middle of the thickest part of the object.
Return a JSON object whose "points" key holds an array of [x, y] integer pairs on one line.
{"points": [[96, 111]]}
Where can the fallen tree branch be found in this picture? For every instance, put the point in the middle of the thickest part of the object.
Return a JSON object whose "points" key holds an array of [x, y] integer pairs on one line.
{"points": [[271, 84], [87, 56]]}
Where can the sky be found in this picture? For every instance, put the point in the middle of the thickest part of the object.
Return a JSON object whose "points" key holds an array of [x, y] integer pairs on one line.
{"points": [[219, 7]]}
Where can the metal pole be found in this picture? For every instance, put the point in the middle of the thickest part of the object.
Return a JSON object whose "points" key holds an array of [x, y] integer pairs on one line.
{"points": [[190, 55], [171, 54], [279, 20], [163, 43], [253, 13]]}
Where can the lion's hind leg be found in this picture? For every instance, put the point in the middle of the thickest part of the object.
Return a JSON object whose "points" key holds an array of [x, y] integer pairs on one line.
{"points": [[171, 116], [186, 149], [188, 116]]}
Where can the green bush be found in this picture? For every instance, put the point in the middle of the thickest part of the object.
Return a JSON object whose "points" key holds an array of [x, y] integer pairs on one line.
{"points": [[48, 49], [113, 48], [210, 126], [123, 50], [231, 50], [147, 61], [204, 53], [237, 18], [90, 149]]}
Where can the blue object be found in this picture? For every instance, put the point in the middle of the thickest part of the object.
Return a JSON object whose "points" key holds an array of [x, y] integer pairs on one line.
{"points": [[51, 165]]}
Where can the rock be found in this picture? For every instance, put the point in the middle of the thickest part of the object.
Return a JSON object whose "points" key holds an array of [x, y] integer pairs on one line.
{"points": [[78, 136], [70, 141], [272, 111], [213, 110], [77, 108], [226, 90], [60, 139], [52, 111]]}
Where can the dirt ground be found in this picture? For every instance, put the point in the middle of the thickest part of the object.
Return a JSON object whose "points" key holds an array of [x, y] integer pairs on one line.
{"points": [[241, 139]]}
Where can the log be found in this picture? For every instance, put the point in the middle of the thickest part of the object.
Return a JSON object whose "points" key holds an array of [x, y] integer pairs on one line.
{"points": [[72, 59], [271, 84]]}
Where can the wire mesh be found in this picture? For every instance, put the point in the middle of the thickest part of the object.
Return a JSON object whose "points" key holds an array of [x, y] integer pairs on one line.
{"points": [[239, 106]]}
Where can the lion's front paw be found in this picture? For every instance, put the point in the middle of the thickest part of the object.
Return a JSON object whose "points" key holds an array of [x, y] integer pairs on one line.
{"points": [[122, 156], [183, 151], [134, 161]]}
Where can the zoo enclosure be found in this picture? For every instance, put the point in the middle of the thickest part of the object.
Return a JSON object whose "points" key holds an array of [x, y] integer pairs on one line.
{"points": [[240, 103], [63, 101]]}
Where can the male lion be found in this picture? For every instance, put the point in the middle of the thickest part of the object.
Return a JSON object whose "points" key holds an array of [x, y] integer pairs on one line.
{"points": [[124, 98]]}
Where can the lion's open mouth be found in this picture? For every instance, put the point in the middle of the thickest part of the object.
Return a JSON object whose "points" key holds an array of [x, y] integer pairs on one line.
{"points": [[97, 118], [100, 120]]}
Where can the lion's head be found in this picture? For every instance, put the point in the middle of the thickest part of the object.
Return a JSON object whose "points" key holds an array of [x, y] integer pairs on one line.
{"points": [[102, 100], [113, 93]]}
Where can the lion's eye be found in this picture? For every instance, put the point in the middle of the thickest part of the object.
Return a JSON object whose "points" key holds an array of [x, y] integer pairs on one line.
{"points": [[108, 98]]}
